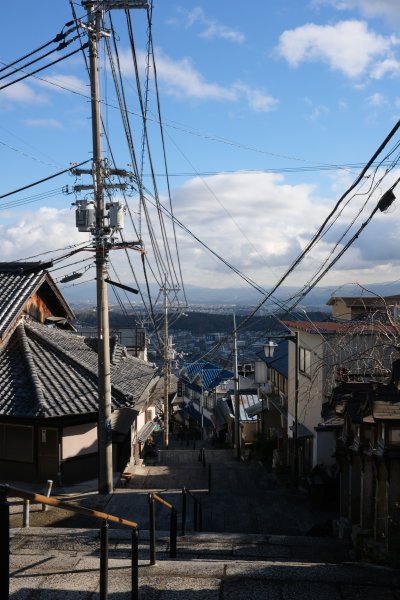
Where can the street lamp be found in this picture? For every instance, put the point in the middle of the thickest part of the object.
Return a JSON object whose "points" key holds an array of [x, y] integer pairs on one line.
{"points": [[269, 349]]}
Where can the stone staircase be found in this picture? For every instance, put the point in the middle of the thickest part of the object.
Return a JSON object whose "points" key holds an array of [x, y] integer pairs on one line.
{"points": [[255, 544], [62, 564]]}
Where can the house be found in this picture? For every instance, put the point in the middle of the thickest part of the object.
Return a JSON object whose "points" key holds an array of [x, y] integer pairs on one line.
{"points": [[134, 338], [352, 308], [48, 385], [328, 351], [366, 417], [275, 407], [199, 387]]}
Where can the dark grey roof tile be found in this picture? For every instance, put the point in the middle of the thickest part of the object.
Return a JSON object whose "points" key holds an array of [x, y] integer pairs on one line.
{"points": [[65, 369]]}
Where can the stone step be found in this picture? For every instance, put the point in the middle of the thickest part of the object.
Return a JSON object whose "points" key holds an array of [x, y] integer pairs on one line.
{"points": [[197, 546], [180, 456], [52, 564]]}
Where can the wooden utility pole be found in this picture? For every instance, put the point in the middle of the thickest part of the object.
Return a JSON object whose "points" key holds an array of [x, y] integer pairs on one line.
{"points": [[101, 232], [167, 365], [236, 391], [105, 483], [166, 373]]}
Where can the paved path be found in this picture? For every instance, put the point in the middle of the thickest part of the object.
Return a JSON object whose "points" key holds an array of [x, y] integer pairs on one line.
{"points": [[276, 562], [58, 564], [244, 498]]}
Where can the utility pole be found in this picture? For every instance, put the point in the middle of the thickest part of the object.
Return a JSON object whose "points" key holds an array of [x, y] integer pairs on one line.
{"points": [[166, 373], [236, 390], [105, 484], [101, 233], [167, 357]]}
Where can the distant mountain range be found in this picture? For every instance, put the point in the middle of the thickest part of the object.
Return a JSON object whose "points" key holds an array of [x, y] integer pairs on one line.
{"points": [[84, 295]]}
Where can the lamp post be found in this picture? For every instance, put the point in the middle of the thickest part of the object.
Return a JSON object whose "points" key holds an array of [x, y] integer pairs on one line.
{"points": [[269, 350]]}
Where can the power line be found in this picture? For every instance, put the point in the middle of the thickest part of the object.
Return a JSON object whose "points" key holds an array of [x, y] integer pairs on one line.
{"points": [[30, 199], [58, 38], [151, 48], [61, 46], [26, 187], [52, 251], [30, 74]]}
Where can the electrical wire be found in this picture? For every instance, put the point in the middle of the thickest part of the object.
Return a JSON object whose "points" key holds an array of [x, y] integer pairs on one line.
{"points": [[31, 199], [26, 187], [168, 256], [160, 120], [30, 74], [51, 251], [340, 254], [27, 155], [60, 47], [60, 36]]}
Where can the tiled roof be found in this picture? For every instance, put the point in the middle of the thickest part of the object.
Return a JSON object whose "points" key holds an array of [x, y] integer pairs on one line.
{"points": [[211, 375], [363, 401], [18, 282], [365, 301], [350, 327], [386, 410], [48, 372]]}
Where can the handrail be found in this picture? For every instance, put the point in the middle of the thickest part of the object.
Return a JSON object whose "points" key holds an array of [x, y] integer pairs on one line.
{"points": [[7, 490], [152, 526], [162, 501], [202, 456], [197, 511], [64, 505]]}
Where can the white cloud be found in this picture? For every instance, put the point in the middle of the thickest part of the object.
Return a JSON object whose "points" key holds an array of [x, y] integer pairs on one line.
{"points": [[21, 93], [376, 100], [270, 222], [257, 99], [260, 229], [266, 223], [211, 28], [183, 81], [40, 231], [316, 110], [47, 123], [69, 82], [347, 46], [389, 66], [388, 9]]}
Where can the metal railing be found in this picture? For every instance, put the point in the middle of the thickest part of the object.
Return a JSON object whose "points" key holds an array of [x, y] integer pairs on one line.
{"points": [[6, 491], [173, 529], [197, 511], [202, 456]]}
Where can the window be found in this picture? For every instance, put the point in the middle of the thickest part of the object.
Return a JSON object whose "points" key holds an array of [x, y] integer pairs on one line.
{"points": [[305, 361], [394, 435], [16, 443]]}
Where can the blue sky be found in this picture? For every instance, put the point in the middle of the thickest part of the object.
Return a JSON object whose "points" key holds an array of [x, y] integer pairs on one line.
{"points": [[246, 89]]}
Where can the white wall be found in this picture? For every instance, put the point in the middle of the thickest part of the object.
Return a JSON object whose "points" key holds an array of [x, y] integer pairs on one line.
{"points": [[79, 440]]}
